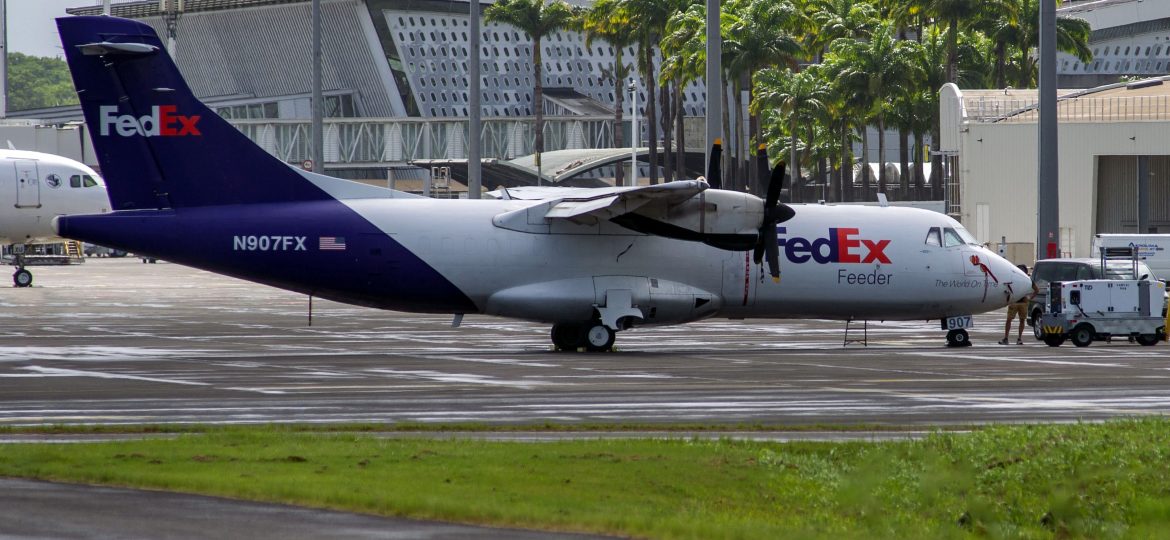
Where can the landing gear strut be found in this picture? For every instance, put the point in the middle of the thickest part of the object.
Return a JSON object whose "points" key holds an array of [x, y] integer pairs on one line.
{"points": [[592, 336], [958, 338]]}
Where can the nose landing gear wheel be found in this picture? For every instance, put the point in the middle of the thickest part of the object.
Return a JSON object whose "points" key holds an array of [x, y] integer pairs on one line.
{"points": [[599, 338], [22, 278], [958, 338]]}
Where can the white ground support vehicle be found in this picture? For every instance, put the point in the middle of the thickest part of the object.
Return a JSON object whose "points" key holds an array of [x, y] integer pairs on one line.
{"points": [[1100, 309], [1152, 249]]}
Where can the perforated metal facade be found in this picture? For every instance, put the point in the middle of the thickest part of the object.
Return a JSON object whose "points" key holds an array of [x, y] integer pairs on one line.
{"points": [[433, 48]]}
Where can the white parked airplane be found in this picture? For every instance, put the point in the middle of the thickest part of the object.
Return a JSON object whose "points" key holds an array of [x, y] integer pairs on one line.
{"points": [[36, 187], [189, 188]]}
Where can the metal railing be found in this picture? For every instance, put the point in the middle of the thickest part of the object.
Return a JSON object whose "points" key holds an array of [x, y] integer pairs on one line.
{"points": [[1085, 109], [382, 140], [400, 140]]}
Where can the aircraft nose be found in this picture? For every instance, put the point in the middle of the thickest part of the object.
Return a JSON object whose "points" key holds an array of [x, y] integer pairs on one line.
{"points": [[1016, 282]]}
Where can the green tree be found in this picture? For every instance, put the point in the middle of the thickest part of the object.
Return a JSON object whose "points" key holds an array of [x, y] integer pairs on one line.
{"points": [[762, 33], [877, 69], [797, 97], [537, 20], [609, 21], [36, 82], [684, 60], [648, 27]]}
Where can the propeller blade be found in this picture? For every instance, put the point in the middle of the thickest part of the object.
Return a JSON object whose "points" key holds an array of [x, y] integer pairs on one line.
{"points": [[772, 250], [763, 166], [714, 168], [775, 184], [758, 252]]}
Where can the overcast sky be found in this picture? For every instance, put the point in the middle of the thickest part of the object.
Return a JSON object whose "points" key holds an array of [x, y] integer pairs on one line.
{"points": [[31, 29]]}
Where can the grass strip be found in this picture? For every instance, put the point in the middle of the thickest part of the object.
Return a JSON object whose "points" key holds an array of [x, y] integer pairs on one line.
{"points": [[1092, 480], [469, 427]]}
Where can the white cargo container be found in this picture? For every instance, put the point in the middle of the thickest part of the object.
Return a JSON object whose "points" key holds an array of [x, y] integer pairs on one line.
{"points": [[1152, 249], [1100, 309]]}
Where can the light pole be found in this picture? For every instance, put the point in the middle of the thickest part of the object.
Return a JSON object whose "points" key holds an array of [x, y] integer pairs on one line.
{"points": [[474, 165], [634, 134], [3, 59], [318, 150]]}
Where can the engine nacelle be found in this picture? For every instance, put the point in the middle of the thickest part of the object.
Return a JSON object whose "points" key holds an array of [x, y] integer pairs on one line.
{"points": [[724, 219]]}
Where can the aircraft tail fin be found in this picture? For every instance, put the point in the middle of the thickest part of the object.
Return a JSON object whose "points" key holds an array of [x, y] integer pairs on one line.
{"points": [[158, 145]]}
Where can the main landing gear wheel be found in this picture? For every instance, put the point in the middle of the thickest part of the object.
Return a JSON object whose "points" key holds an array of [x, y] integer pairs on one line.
{"points": [[958, 338], [568, 336], [599, 338], [22, 278]]}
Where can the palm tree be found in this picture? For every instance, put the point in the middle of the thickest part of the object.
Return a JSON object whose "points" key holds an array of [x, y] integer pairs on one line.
{"points": [[878, 68], [956, 13], [608, 21], [1072, 37], [797, 97], [684, 60], [761, 34], [537, 20], [648, 28]]}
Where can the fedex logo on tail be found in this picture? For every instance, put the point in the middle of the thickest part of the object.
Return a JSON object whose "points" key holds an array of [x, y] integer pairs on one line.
{"points": [[841, 245], [161, 122]]}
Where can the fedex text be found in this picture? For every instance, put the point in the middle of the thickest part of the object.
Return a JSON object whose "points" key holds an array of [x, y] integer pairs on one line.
{"points": [[841, 245], [161, 122]]}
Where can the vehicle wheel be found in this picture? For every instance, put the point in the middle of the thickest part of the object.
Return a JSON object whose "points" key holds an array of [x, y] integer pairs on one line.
{"points": [[1036, 330], [958, 338], [599, 338], [1053, 340], [567, 336], [1148, 340], [1082, 335], [22, 278]]}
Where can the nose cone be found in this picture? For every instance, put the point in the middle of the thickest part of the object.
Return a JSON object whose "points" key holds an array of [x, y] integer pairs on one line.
{"points": [[1017, 284]]}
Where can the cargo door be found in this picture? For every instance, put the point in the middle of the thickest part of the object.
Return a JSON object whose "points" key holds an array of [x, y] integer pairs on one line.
{"points": [[28, 184]]}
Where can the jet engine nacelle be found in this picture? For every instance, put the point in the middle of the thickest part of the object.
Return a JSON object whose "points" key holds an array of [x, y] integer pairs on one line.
{"points": [[724, 219]]}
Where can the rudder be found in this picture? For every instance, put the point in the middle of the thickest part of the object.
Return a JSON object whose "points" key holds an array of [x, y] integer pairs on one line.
{"points": [[158, 145]]}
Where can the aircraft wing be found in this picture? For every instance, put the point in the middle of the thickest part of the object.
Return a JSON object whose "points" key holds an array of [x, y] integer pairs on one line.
{"points": [[590, 205]]}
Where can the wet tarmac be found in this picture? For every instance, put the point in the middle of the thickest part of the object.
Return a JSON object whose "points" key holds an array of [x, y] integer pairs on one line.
{"points": [[121, 342]]}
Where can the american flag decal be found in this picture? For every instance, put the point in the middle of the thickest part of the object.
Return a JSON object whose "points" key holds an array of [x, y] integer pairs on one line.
{"points": [[332, 243]]}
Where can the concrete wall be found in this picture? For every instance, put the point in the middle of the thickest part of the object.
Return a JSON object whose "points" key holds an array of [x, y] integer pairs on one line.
{"points": [[998, 168]]}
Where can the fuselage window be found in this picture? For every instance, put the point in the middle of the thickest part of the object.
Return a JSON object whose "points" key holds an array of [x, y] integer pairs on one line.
{"points": [[951, 238], [933, 238], [75, 181]]}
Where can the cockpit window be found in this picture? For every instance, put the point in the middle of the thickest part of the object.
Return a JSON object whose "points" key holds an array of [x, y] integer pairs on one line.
{"points": [[952, 238], [88, 181], [75, 180], [933, 237], [966, 235]]}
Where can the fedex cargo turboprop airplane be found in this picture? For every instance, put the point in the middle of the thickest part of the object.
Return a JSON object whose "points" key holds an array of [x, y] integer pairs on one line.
{"points": [[36, 187], [188, 187]]}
